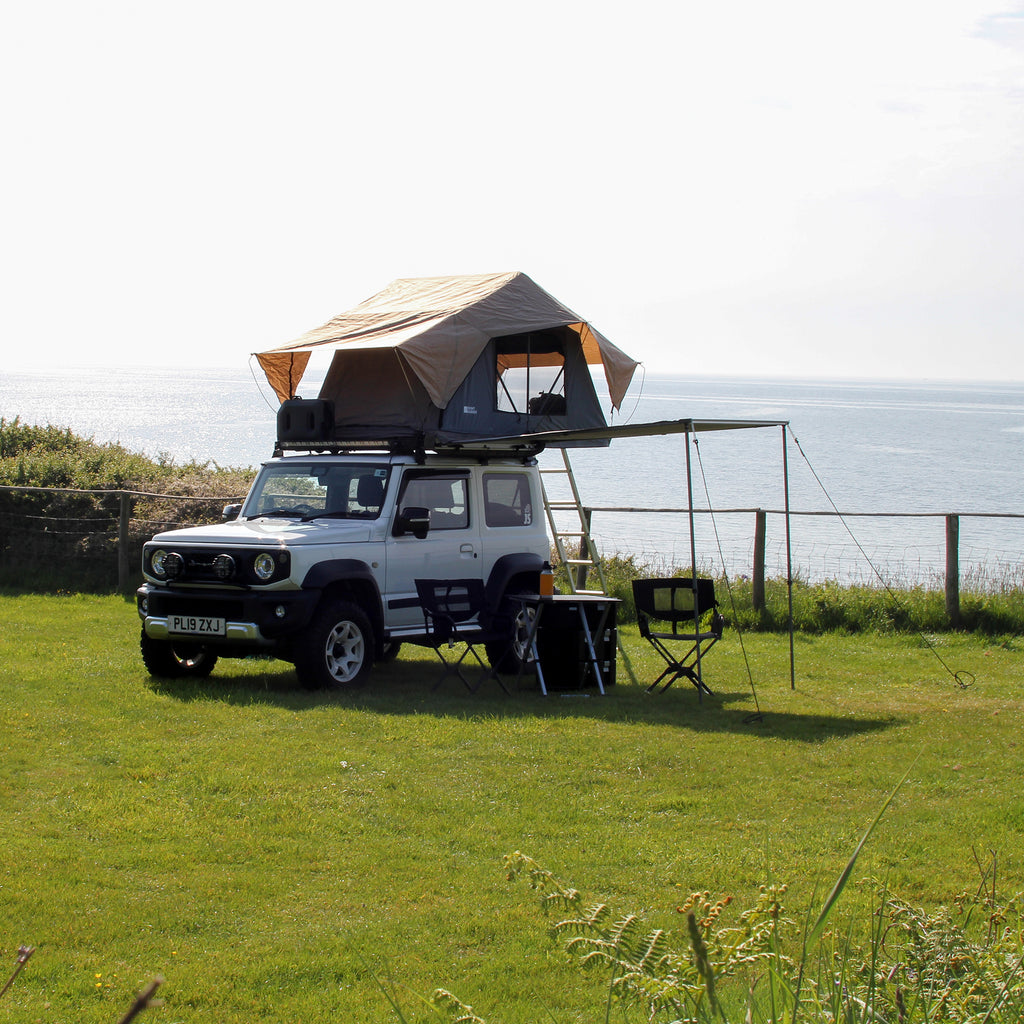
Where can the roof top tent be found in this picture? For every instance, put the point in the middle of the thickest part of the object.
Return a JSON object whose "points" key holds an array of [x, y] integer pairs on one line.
{"points": [[441, 361]]}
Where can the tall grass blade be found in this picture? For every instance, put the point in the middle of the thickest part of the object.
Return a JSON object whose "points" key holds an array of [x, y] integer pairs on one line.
{"points": [[1004, 992], [844, 877]]}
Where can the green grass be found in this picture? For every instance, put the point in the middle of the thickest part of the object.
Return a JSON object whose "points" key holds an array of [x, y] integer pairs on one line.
{"points": [[275, 854]]}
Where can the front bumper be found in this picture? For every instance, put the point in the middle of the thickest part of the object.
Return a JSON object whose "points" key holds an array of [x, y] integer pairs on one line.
{"points": [[261, 619]]}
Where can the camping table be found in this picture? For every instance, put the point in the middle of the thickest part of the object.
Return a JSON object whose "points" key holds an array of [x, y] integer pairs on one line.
{"points": [[580, 604]]}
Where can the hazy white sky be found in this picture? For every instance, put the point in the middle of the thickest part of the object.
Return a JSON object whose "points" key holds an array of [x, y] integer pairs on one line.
{"points": [[796, 188]]}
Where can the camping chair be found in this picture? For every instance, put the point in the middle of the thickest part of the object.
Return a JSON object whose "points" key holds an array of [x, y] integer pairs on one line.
{"points": [[455, 613], [696, 623]]}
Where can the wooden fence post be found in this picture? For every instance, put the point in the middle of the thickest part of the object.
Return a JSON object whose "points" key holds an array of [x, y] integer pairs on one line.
{"points": [[124, 569], [757, 581], [953, 570]]}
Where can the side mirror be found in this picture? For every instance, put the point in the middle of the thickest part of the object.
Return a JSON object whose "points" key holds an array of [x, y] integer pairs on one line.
{"points": [[412, 519], [230, 512]]}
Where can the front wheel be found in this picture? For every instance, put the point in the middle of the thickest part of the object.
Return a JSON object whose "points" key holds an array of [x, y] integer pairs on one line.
{"points": [[168, 659], [390, 652], [337, 648]]}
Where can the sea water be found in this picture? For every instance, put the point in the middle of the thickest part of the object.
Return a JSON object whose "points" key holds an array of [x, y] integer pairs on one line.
{"points": [[894, 457]]}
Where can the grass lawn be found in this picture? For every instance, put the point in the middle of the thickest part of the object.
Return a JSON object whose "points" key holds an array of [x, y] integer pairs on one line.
{"points": [[276, 854]]}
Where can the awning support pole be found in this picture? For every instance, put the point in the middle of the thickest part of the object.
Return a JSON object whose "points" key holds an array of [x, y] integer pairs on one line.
{"points": [[789, 558], [693, 551]]}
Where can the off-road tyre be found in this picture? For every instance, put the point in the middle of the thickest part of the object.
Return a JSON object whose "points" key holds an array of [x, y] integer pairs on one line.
{"points": [[390, 652], [176, 659], [336, 649], [507, 657]]}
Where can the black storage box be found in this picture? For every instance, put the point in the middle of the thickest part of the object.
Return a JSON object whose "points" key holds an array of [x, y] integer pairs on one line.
{"points": [[562, 645]]}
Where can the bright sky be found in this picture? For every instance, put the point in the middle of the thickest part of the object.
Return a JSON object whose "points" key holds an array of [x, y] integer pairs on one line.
{"points": [[797, 188]]}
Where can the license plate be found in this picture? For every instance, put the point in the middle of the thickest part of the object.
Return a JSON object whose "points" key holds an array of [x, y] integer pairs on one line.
{"points": [[196, 625]]}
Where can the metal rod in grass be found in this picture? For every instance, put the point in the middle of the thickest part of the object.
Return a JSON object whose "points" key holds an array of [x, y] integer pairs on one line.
{"points": [[143, 1000], [24, 952]]}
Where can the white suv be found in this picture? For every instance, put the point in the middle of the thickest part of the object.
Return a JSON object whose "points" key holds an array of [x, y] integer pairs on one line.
{"points": [[318, 565]]}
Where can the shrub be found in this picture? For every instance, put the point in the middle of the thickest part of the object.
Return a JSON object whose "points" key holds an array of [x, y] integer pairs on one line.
{"points": [[68, 536], [961, 965]]}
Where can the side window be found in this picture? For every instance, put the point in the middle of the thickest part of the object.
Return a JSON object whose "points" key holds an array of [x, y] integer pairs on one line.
{"points": [[443, 496], [507, 499]]}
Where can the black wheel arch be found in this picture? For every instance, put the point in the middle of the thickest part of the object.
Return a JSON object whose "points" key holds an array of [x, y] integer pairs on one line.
{"points": [[350, 579], [517, 571]]}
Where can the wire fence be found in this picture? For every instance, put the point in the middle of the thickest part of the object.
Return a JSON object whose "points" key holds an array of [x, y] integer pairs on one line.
{"points": [[983, 552], [94, 538], [89, 539]]}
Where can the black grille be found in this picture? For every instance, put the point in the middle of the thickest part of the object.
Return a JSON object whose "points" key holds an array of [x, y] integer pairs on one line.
{"points": [[199, 564]]}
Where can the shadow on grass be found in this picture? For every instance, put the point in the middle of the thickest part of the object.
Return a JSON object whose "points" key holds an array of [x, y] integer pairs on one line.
{"points": [[405, 687]]}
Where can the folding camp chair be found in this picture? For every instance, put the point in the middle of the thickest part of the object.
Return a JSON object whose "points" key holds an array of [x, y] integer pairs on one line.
{"points": [[455, 613], [692, 612]]}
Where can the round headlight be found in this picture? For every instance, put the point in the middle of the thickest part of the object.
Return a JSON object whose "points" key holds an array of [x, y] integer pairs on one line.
{"points": [[263, 566], [174, 565], [156, 562], [223, 567]]}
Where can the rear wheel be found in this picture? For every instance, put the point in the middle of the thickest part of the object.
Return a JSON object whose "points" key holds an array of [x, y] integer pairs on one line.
{"points": [[508, 656], [337, 648], [175, 659]]}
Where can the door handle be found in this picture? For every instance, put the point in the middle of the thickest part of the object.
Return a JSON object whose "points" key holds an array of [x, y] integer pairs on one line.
{"points": [[467, 549]]}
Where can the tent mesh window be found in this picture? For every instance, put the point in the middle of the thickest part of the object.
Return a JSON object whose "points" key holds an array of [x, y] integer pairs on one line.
{"points": [[530, 373]]}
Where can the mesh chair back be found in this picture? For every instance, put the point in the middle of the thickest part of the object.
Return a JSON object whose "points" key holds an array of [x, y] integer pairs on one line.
{"points": [[450, 603], [672, 600]]}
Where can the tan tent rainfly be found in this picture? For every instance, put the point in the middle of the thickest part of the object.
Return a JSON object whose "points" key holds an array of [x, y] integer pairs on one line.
{"points": [[439, 326]]}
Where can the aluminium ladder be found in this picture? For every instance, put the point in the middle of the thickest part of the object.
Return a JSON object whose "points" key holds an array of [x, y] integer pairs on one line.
{"points": [[586, 557]]}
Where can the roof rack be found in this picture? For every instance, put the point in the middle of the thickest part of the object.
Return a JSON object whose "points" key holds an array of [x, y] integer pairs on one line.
{"points": [[481, 450]]}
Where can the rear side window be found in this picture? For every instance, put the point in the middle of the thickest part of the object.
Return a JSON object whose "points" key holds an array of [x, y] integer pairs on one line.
{"points": [[444, 497], [507, 499]]}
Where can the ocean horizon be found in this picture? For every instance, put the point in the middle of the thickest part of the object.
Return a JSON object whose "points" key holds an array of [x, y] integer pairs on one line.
{"points": [[896, 455]]}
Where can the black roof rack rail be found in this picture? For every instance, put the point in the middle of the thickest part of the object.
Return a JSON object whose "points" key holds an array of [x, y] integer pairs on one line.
{"points": [[481, 450]]}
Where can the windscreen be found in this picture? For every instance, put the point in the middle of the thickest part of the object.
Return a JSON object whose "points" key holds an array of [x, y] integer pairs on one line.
{"points": [[308, 490]]}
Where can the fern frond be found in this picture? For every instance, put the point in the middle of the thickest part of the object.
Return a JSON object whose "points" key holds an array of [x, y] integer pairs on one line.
{"points": [[552, 891], [458, 1011]]}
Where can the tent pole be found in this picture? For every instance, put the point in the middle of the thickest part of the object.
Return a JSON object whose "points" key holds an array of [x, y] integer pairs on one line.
{"points": [[789, 558], [693, 549]]}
